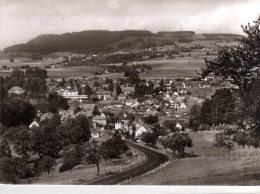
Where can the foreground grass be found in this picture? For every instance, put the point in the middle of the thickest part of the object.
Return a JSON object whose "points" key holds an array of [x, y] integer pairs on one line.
{"points": [[212, 166], [84, 172]]}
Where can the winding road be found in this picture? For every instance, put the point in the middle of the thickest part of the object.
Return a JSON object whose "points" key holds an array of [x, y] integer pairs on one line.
{"points": [[153, 160]]}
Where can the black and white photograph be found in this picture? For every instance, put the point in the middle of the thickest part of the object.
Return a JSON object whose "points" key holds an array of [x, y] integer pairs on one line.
{"points": [[132, 94]]}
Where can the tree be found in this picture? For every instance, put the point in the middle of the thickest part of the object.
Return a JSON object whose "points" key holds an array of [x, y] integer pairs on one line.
{"points": [[96, 110], [118, 89], [178, 142], [170, 125], [21, 141], [194, 116], [45, 164], [15, 112], [5, 150], [219, 108], [87, 90], [58, 101], [71, 158], [241, 139], [158, 130], [241, 63], [8, 170], [94, 154], [226, 137], [2, 129], [75, 131], [114, 147], [46, 141], [149, 138], [162, 86], [151, 119]]}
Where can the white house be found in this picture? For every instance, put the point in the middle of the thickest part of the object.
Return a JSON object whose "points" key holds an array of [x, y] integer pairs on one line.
{"points": [[183, 106], [16, 90], [131, 102], [34, 124], [178, 125], [141, 128]]}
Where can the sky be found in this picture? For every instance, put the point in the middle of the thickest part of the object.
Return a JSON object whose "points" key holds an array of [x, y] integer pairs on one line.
{"points": [[22, 20]]}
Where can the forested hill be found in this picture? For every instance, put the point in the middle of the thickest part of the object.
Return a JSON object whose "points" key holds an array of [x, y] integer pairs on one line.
{"points": [[95, 41], [85, 41]]}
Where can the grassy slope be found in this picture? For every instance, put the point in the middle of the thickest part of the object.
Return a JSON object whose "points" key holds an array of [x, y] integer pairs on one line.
{"points": [[213, 166], [84, 172]]}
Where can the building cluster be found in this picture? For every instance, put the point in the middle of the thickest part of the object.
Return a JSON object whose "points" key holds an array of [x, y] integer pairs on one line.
{"points": [[112, 111]]}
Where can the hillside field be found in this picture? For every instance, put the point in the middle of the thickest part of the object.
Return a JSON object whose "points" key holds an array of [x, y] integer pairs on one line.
{"points": [[212, 166]]}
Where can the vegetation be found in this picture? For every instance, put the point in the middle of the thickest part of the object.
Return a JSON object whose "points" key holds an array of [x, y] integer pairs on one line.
{"points": [[241, 64], [15, 112], [79, 42], [149, 138], [177, 142]]}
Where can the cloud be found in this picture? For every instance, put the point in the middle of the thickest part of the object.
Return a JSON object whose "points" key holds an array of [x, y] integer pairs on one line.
{"points": [[24, 19]]}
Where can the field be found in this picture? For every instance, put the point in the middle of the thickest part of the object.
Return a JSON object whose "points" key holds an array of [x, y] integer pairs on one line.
{"points": [[73, 71], [212, 166], [177, 67], [28, 61], [161, 67]]}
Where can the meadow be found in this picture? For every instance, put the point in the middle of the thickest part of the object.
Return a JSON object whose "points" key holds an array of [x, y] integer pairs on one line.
{"points": [[211, 166], [86, 172], [73, 71]]}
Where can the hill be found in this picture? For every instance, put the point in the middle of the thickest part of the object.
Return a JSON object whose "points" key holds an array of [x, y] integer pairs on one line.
{"points": [[96, 41]]}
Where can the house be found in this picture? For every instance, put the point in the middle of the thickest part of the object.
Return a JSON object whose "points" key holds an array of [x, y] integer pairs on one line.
{"points": [[174, 105], [100, 119], [105, 86], [47, 115], [122, 97], [183, 106], [34, 124], [117, 104], [69, 93], [67, 85], [104, 94], [141, 128], [16, 90], [128, 89], [167, 97], [178, 126], [131, 102], [151, 112], [95, 133], [123, 122], [87, 107]]}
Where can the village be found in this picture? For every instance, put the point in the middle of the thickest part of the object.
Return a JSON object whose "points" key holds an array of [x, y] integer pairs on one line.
{"points": [[113, 107]]}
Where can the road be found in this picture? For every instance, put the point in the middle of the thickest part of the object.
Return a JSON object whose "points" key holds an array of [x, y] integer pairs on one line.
{"points": [[153, 160]]}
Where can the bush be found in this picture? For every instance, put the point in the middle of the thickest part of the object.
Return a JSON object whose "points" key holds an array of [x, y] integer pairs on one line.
{"points": [[129, 153]]}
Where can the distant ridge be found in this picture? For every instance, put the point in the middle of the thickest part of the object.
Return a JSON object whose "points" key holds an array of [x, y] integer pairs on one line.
{"points": [[95, 41]]}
